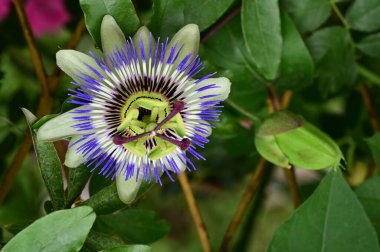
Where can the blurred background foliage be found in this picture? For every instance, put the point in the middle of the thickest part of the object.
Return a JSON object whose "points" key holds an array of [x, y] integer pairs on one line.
{"points": [[324, 56]]}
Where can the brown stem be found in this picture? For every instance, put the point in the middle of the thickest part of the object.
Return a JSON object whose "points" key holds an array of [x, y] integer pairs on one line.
{"points": [[374, 118], [292, 182], [195, 214], [249, 192], [73, 42], [220, 24], [36, 57], [369, 104], [45, 102]]}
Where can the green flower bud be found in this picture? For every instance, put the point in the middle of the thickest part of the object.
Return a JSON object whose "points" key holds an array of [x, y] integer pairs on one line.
{"points": [[284, 139]]}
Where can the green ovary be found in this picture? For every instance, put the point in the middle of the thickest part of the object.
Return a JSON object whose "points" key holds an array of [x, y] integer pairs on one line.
{"points": [[142, 113]]}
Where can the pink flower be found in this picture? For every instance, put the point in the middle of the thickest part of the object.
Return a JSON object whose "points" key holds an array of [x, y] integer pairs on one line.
{"points": [[5, 8], [44, 16]]}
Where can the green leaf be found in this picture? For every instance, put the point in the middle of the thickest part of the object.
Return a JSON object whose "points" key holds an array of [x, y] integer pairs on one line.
{"points": [[168, 17], [130, 248], [135, 225], [105, 201], [296, 68], [233, 56], [307, 14], [334, 59], [370, 45], [78, 178], [364, 15], [332, 219], [205, 12], [50, 165], [122, 11], [97, 241], [374, 145], [63, 230], [369, 195], [262, 33]]}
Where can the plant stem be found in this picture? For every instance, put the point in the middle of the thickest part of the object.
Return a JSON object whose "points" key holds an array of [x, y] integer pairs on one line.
{"points": [[36, 57], [221, 23], [47, 85], [369, 104], [342, 20], [368, 74], [249, 192], [242, 111], [195, 214]]}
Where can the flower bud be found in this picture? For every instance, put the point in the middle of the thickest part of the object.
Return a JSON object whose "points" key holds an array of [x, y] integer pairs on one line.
{"points": [[284, 139]]}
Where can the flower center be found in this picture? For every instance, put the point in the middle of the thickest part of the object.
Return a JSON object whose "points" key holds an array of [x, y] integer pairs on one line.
{"points": [[147, 118]]}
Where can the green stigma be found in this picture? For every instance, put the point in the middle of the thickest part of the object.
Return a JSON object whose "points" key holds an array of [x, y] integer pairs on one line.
{"points": [[145, 116]]}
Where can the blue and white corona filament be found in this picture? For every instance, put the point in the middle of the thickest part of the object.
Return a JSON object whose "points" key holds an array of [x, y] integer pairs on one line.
{"points": [[141, 112]]}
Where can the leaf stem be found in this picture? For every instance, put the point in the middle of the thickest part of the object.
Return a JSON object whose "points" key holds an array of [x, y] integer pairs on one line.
{"points": [[342, 20], [195, 214], [221, 23], [242, 111], [366, 73]]}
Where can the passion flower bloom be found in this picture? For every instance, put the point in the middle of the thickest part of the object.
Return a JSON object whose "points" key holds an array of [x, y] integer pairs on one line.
{"points": [[142, 113]]}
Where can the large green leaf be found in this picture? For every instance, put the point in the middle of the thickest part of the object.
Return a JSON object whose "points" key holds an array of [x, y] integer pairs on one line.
{"points": [[205, 12], [369, 195], [168, 17], [364, 15], [296, 68], [233, 56], [334, 59], [63, 230], [332, 219], [50, 165], [262, 33], [130, 248], [374, 145], [122, 11], [307, 14], [135, 225], [98, 241], [105, 201], [370, 45]]}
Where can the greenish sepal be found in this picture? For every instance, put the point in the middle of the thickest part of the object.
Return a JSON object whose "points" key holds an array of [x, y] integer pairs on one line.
{"points": [[268, 148]]}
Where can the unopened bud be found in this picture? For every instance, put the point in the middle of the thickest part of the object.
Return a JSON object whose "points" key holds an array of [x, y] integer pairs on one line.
{"points": [[284, 139]]}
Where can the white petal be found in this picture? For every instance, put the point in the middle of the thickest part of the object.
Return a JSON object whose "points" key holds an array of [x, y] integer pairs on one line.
{"points": [[189, 38], [221, 90], [74, 158], [59, 127], [180, 165], [111, 34], [73, 63], [128, 189]]}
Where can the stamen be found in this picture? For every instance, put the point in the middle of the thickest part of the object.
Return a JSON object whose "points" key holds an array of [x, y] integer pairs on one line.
{"points": [[177, 107], [184, 144], [119, 140]]}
